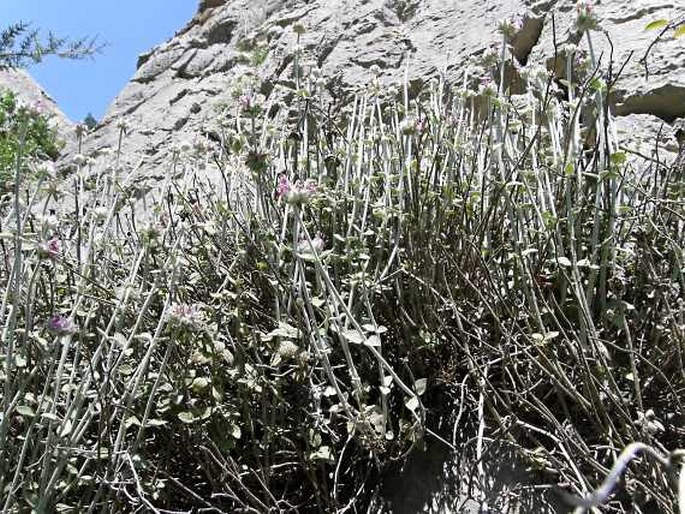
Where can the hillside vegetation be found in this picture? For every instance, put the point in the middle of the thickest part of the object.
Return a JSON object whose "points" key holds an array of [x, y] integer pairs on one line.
{"points": [[282, 318]]}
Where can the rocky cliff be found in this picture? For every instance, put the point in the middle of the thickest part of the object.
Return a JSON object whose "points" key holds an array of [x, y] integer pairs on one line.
{"points": [[28, 90], [181, 86]]}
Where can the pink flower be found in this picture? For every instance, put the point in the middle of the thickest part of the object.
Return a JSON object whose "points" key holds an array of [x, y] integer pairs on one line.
{"points": [[309, 187], [584, 8], [283, 187], [245, 101], [586, 18], [317, 246], [185, 315], [487, 87], [38, 107], [52, 249], [61, 325], [298, 193]]}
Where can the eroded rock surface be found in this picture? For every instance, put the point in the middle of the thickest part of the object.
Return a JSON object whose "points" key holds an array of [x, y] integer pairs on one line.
{"points": [[181, 86]]}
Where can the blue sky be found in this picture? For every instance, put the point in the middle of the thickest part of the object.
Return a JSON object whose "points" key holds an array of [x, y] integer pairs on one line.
{"points": [[128, 27]]}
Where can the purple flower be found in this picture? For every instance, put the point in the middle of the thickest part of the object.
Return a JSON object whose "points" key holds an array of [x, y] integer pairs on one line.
{"points": [[185, 315], [61, 325], [298, 193], [52, 249], [245, 102], [283, 187], [249, 104]]}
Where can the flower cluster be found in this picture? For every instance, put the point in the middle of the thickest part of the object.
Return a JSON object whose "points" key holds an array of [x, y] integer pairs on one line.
{"points": [[491, 56], [249, 104], [582, 64], [414, 126], [487, 87], [297, 193], [509, 27], [184, 315], [586, 18], [317, 246], [150, 234], [287, 349], [46, 170], [61, 325], [52, 249]]}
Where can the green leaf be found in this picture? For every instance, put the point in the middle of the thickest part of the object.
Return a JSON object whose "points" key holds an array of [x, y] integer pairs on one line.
{"points": [[66, 428], [420, 386], [656, 24], [679, 30], [132, 421], [323, 453], [373, 340], [120, 340], [186, 417], [353, 336], [199, 384], [412, 403], [25, 410], [284, 330], [551, 335], [155, 423], [618, 158]]}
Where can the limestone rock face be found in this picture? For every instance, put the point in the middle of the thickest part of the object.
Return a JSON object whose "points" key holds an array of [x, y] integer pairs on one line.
{"points": [[180, 87], [28, 90]]}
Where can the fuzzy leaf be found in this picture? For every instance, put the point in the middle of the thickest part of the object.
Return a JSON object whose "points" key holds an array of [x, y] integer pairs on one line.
{"points": [[284, 330], [353, 336], [186, 417], [323, 453], [420, 386], [679, 30], [373, 340], [155, 423], [199, 384], [412, 403], [25, 410], [66, 429], [131, 421]]}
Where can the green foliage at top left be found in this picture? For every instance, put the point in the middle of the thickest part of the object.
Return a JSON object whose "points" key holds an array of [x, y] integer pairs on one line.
{"points": [[21, 44], [23, 127]]}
